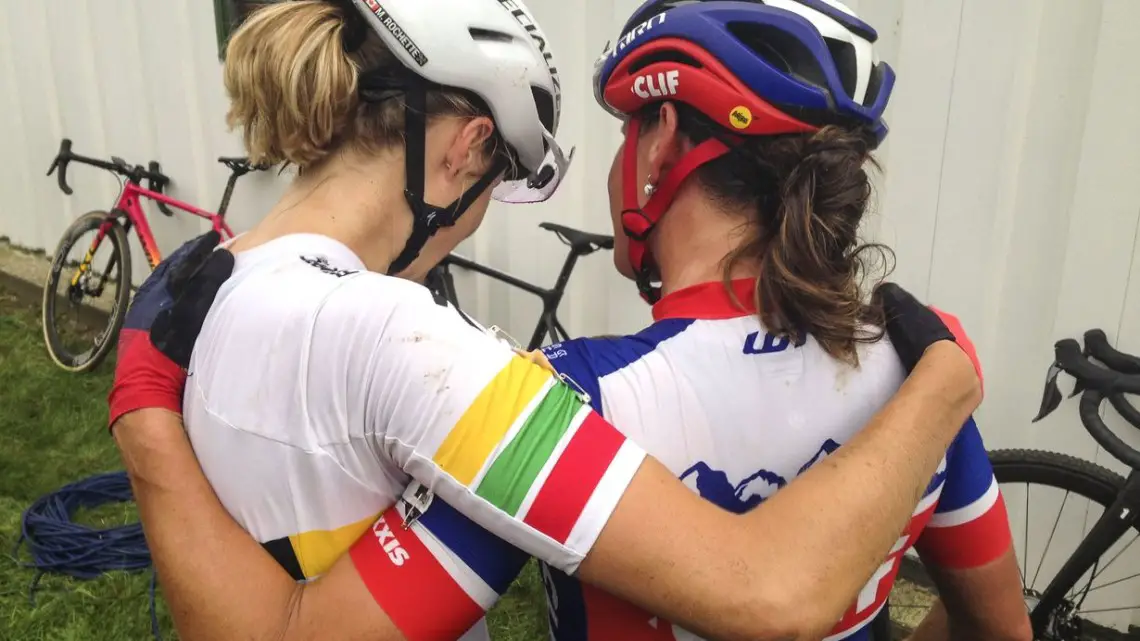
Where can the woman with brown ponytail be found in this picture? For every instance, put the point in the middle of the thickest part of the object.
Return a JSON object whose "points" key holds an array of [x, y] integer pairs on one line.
{"points": [[358, 460], [736, 201]]}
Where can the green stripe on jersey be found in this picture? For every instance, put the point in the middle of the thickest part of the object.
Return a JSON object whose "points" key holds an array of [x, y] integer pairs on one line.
{"points": [[515, 470]]}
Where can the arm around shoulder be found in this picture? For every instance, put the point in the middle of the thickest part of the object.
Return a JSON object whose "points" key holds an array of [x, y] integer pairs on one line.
{"points": [[792, 567]]}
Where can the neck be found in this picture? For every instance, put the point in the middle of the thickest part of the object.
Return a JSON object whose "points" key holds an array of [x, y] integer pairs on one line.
{"points": [[359, 204], [693, 240]]}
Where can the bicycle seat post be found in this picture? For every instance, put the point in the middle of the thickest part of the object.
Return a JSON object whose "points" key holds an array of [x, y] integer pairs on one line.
{"points": [[237, 173], [563, 280]]}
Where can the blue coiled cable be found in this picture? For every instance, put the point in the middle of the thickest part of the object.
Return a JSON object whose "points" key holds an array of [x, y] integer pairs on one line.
{"points": [[57, 544]]}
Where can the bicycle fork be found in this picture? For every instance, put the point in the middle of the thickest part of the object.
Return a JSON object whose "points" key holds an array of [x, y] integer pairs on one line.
{"points": [[1109, 529], [89, 258]]}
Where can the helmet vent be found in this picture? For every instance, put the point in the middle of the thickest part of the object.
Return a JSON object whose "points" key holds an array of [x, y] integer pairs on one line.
{"points": [[664, 56], [478, 34], [874, 85], [544, 102], [781, 50], [843, 53]]}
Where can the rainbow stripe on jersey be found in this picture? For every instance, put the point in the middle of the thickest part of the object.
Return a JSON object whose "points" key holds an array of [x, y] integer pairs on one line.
{"points": [[532, 448]]}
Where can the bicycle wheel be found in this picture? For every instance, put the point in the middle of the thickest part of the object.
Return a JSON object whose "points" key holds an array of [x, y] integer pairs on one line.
{"points": [[1027, 478], [80, 343]]}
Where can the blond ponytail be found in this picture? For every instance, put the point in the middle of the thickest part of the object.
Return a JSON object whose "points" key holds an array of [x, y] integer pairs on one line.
{"points": [[292, 87]]}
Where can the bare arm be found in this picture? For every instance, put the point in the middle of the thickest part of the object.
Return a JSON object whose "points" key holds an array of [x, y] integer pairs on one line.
{"points": [[979, 604], [778, 572], [241, 592], [795, 561]]}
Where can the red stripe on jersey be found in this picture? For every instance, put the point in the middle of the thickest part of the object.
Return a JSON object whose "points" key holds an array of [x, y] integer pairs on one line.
{"points": [[571, 483], [144, 377], [971, 544], [412, 588]]}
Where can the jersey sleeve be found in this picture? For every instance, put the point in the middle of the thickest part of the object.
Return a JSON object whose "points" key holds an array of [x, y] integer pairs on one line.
{"points": [[574, 361], [436, 578], [969, 527], [502, 440]]}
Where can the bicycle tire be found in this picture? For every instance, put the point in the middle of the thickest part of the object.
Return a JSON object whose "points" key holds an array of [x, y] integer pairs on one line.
{"points": [[1051, 469], [1094, 482], [105, 341]]}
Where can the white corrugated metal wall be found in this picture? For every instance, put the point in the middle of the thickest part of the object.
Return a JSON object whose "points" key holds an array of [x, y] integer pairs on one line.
{"points": [[1011, 190]]}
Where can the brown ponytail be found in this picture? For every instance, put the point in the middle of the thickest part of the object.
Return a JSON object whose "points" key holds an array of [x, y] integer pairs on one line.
{"points": [[811, 261], [809, 193]]}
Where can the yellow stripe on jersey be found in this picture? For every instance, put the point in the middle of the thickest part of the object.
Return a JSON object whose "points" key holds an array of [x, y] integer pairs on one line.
{"points": [[317, 550], [483, 426]]}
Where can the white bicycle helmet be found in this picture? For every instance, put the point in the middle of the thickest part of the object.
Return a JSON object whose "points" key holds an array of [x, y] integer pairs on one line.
{"points": [[493, 49]]}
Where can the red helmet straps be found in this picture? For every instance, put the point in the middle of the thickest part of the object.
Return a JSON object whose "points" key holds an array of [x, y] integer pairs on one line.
{"points": [[710, 88], [638, 222]]}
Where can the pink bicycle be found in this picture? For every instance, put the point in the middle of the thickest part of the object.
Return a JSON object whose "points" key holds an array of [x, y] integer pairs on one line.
{"points": [[85, 279]]}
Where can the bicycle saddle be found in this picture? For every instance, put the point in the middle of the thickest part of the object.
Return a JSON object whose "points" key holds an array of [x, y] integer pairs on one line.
{"points": [[580, 239], [236, 164]]}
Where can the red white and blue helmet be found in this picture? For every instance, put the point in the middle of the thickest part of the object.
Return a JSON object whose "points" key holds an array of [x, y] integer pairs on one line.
{"points": [[756, 67]]}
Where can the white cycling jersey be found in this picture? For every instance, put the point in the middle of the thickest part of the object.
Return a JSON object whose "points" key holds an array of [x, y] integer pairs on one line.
{"points": [[317, 391]]}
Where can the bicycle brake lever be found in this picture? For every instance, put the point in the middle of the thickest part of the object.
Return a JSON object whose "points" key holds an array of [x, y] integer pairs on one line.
{"points": [[1078, 386], [1077, 389], [1051, 396]]}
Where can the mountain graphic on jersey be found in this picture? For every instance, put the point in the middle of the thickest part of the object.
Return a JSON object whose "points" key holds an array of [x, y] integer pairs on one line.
{"points": [[713, 485], [829, 446]]}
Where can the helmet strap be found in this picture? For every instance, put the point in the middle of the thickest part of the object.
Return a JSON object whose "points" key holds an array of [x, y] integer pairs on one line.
{"points": [[428, 219], [638, 222]]}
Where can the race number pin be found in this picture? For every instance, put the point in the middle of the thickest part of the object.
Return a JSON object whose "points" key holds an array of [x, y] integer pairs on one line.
{"points": [[498, 333], [417, 499]]}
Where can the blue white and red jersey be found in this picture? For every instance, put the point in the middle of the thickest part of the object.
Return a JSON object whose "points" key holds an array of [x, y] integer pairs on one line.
{"points": [[736, 414]]}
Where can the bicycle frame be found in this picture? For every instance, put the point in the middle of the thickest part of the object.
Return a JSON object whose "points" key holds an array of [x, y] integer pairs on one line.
{"points": [[1095, 384], [1110, 528], [548, 323], [130, 207]]}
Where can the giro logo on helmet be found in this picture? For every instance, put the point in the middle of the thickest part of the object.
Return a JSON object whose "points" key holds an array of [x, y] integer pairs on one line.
{"points": [[657, 85], [636, 33]]}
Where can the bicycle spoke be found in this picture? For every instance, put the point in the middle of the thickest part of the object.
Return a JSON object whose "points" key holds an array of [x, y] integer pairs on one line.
{"points": [[1051, 534], [1025, 540], [1111, 583], [1131, 607]]}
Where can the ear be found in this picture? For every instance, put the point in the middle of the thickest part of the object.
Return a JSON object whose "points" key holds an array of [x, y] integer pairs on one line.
{"points": [[466, 157], [665, 143]]}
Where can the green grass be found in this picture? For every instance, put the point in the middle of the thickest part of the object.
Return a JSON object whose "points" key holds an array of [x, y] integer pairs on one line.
{"points": [[52, 432]]}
